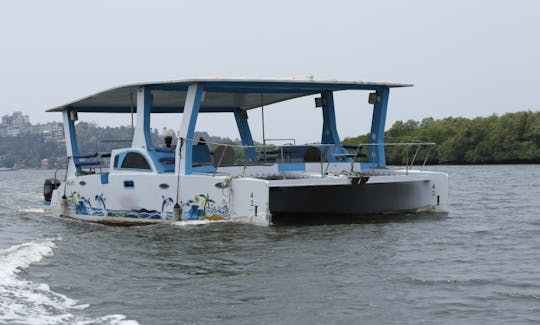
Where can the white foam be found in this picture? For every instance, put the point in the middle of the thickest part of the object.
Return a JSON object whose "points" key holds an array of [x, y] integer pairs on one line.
{"points": [[32, 210], [18, 257], [196, 222], [27, 302]]}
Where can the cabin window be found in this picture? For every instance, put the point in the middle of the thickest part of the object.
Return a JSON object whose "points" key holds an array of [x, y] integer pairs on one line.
{"points": [[135, 160], [115, 164]]}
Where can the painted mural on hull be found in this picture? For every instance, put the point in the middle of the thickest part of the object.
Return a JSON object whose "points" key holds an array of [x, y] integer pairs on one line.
{"points": [[201, 207]]}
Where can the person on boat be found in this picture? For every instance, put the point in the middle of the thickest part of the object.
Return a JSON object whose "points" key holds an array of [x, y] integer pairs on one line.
{"points": [[168, 138]]}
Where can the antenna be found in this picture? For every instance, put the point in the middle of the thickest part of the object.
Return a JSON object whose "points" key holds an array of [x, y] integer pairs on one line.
{"points": [[264, 138], [131, 101]]}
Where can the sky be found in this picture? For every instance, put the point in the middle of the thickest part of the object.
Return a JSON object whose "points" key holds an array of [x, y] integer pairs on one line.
{"points": [[465, 58]]}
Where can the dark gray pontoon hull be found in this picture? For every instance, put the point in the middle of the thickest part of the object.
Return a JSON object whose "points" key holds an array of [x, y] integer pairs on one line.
{"points": [[353, 200]]}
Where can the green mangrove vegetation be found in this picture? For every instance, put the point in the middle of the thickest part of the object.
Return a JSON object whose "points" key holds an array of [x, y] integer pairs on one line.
{"points": [[510, 138]]}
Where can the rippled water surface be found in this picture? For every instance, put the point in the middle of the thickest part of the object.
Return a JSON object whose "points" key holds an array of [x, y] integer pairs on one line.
{"points": [[478, 264]]}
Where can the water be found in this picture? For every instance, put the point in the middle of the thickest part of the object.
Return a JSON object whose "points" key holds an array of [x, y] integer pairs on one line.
{"points": [[478, 264]]}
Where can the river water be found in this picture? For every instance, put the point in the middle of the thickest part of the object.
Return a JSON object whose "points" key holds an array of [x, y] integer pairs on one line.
{"points": [[478, 264]]}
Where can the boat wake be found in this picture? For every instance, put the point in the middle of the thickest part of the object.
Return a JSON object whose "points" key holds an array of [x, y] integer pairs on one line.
{"points": [[27, 302], [32, 211], [197, 222]]}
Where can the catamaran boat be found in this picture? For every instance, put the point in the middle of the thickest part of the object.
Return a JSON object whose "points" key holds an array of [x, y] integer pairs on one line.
{"points": [[192, 179]]}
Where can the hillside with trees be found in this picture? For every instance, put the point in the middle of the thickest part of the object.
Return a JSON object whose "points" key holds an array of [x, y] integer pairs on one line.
{"points": [[28, 150], [510, 138]]}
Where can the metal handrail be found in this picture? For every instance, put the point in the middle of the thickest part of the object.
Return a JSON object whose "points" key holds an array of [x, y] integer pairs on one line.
{"points": [[62, 166], [315, 144], [284, 139], [327, 146]]}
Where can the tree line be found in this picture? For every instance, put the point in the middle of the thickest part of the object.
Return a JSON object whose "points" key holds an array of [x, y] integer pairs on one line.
{"points": [[510, 138]]}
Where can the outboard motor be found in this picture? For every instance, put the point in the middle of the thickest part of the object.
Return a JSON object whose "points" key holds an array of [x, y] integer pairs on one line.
{"points": [[50, 185]]}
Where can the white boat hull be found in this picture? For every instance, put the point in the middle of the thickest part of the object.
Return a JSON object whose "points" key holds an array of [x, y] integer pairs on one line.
{"points": [[132, 199], [149, 199]]}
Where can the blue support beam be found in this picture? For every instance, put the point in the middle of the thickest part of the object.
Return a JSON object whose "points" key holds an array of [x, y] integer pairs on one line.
{"points": [[147, 110], [329, 133], [376, 138], [71, 140], [187, 129], [141, 137], [245, 134]]}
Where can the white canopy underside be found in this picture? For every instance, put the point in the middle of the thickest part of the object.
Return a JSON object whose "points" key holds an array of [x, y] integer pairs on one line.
{"points": [[220, 95]]}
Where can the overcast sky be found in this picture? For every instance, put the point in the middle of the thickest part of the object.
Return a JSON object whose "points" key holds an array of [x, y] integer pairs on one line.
{"points": [[465, 58]]}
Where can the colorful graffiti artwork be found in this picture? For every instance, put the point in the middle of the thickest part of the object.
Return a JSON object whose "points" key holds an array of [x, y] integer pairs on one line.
{"points": [[84, 206], [203, 207]]}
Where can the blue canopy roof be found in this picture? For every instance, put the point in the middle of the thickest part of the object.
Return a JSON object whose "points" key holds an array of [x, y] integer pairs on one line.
{"points": [[220, 95]]}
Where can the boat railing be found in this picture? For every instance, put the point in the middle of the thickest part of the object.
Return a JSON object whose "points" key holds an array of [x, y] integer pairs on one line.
{"points": [[289, 157], [418, 147], [94, 163], [62, 163], [324, 154], [266, 140], [357, 151]]}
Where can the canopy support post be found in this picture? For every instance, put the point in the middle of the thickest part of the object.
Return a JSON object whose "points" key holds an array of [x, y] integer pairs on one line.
{"points": [[329, 133], [71, 140], [141, 136], [376, 137], [241, 118], [187, 129]]}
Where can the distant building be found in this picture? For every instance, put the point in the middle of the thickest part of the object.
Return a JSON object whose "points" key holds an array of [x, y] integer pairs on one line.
{"points": [[14, 124], [17, 123], [16, 119], [50, 130]]}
